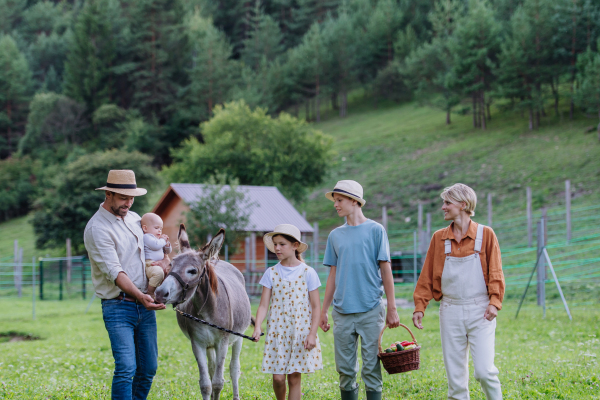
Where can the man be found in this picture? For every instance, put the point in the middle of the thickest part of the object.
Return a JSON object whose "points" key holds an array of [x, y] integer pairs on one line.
{"points": [[114, 240], [358, 254]]}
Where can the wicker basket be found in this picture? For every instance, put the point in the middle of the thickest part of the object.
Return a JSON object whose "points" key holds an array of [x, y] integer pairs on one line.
{"points": [[400, 361]]}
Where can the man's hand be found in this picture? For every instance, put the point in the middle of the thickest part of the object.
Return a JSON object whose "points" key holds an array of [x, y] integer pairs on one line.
{"points": [[324, 324], [165, 264], [392, 319], [417, 318], [491, 312], [148, 302]]}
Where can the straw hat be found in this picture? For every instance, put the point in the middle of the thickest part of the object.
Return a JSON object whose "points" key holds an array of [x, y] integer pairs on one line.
{"points": [[122, 181], [284, 229], [350, 189]]}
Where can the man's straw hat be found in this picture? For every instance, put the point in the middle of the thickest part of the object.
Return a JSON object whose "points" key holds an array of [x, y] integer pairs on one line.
{"points": [[350, 189], [284, 229], [122, 181]]}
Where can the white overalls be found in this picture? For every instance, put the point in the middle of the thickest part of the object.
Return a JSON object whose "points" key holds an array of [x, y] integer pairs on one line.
{"points": [[463, 327]]}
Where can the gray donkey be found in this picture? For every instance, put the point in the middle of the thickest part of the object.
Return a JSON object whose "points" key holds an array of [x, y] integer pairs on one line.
{"points": [[213, 290]]}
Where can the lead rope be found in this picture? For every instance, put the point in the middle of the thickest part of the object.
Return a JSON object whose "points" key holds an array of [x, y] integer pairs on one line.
{"points": [[213, 325]]}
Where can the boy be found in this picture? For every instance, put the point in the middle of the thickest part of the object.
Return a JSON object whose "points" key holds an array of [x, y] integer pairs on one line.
{"points": [[358, 254]]}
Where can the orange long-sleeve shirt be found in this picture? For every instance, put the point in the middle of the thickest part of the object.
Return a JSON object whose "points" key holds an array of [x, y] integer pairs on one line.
{"points": [[429, 285]]}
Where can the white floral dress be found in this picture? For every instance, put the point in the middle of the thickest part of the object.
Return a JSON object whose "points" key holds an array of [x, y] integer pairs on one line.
{"points": [[287, 328]]}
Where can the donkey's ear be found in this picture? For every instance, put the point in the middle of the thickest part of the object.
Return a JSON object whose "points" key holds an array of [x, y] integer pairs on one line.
{"points": [[182, 237], [214, 246]]}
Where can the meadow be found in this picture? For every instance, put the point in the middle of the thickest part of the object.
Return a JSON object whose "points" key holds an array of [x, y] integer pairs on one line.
{"points": [[551, 358]]}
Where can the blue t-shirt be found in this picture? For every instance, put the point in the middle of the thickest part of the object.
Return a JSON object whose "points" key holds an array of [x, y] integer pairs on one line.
{"points": [[355, 251]]}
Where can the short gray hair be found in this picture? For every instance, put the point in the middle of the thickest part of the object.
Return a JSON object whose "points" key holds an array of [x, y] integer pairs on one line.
{"points": [[458, 193]]}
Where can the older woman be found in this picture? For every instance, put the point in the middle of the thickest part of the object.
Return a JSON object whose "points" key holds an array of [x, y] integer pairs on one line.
{"points": [[463, 270]]}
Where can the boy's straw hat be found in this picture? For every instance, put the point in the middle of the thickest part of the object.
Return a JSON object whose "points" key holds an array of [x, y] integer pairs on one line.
{"points": [[284, 229], [350, 189], [122, 181]]}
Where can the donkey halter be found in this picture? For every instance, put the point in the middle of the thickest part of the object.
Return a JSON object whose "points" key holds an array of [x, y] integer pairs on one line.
{"points": [[185, 286]]}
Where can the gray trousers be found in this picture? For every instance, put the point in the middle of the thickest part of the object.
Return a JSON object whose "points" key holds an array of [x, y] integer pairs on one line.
{"points": [[346, 330]]}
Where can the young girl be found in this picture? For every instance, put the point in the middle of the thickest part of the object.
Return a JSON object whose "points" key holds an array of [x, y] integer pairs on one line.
{"points": [[291, 345]]}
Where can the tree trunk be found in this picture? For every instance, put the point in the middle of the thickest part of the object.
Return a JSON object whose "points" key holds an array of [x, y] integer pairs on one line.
{"points": [[572, 106], [448, 117], [482, 107], [334, 101], [537, 119], [555, 93], [317, 101], [530, 118], [489, 113]]}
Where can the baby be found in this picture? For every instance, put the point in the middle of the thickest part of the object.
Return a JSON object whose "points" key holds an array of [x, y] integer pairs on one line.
{"points": [[156, 245]]}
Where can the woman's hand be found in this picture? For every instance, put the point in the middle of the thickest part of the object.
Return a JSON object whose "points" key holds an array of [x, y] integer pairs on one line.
{"points": [[491, 312], [417, 318], [256, 333], [324, 324], [310, 342]]}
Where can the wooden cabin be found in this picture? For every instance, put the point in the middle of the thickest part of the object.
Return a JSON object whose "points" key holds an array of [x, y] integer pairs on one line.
{"points": [[271, 209]]}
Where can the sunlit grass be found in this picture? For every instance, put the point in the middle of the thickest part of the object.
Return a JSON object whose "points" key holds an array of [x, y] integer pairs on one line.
{"points": [[550, 358]]}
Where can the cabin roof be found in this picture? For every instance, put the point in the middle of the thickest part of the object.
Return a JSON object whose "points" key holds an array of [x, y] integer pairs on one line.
{"points": [[271, 207]]}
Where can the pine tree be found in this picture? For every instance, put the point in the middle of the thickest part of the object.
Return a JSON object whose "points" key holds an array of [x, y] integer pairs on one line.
{"points": [[588, 95], [15, 85], [91, 54], [475, 45], [264, 39]]}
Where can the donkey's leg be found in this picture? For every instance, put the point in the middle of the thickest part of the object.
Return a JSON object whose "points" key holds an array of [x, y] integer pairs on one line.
{"points": [[211, 357], [205, 385], [218, 380], [234, 367]]}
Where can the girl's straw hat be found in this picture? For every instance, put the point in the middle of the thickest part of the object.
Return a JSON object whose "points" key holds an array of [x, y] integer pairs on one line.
{"points": [[350, 189], [284, 229], [122, 181]]}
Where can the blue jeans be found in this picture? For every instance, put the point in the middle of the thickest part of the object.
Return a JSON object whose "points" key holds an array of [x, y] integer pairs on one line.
{"points": [[132, 333]]}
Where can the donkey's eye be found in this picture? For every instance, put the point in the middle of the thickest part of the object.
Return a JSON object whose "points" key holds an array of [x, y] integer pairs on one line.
{"points": [[192, 271]]}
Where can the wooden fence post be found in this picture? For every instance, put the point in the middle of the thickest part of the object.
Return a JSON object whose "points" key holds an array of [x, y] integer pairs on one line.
{"points": [[568, 207], [529, 219], [384, 218], [489, 209], [19, 273], [315, 249]]}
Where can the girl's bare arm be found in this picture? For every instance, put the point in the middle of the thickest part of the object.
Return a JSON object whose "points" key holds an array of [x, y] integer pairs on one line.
{"points": [[261, 313], [315, 303]]}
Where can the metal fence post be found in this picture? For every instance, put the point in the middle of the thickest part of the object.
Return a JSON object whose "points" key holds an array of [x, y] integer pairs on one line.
{"points": [[60, 280], [489, 209], [568, 207], [41, 280], [19, 273], [82, 279], [420, 227], [541, 267], [69, 262], [384, 218], [415, 258], [529, 219], [315, 249], [33, 287]]}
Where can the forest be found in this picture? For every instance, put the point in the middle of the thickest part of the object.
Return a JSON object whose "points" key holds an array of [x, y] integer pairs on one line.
{"points": [[155, 84]]}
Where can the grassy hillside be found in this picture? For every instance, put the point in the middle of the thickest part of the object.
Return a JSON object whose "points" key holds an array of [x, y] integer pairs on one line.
{"points": [[406, 154], [21, 230]]}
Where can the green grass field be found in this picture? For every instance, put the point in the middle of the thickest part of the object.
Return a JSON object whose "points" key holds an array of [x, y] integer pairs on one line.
{"points": [[550, 358]]}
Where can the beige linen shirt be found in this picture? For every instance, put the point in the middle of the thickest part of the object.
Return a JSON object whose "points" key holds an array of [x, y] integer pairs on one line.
{"points": [[115, 245]]}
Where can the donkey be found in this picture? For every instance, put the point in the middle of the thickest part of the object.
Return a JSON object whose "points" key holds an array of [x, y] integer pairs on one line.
{"points": [[201, 285]]}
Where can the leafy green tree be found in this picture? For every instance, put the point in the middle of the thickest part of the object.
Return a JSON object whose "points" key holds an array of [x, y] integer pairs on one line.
{"points": [[47, 56], [588, 94], [11, 11], [19, 186], [66, 207], [475, 44], [91, 53], [221, 206], [251, 146], [55, 124], [15, 85]]}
